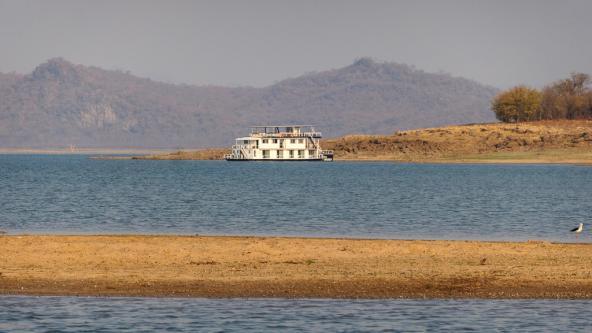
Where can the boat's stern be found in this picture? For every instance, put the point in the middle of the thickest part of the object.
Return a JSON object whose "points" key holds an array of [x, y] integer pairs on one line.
{"points": [[327, 155]]}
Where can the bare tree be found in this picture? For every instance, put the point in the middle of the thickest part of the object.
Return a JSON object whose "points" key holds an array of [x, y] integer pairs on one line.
{"points": [[567, 99]]}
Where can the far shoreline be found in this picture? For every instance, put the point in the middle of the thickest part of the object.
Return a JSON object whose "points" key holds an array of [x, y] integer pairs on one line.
{"points": [[536, 142], [460, 161], [84, 151], [113, 155]]}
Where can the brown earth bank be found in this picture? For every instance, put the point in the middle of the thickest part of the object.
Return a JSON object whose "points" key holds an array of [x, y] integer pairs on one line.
{"points": [[200, 154], [557, 141], [197, 266], [113, 152]]}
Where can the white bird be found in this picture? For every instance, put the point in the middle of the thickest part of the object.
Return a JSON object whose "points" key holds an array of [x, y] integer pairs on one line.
{"points": [[578, 230]]}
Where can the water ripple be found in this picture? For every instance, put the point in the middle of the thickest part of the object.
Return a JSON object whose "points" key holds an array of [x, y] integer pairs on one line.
{"points": [[71, 314], [73, 194]]}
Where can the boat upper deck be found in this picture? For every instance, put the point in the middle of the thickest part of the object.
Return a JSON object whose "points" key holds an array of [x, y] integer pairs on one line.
{"points": [[289, 131]]}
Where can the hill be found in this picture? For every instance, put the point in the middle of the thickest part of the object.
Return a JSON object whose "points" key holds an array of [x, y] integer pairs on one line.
{"points": [[564, 141], [60, 103]]}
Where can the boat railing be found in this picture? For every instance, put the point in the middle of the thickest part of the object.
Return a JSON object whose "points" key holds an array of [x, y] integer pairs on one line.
{"points": [[238, 147], [289, 135]]}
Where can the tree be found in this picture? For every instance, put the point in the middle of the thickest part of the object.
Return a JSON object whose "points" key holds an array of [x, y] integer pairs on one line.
{"points": [[568, 98], [517, 104]]}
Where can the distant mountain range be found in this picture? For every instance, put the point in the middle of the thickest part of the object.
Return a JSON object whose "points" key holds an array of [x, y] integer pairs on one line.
{"points": [[60, 103]]}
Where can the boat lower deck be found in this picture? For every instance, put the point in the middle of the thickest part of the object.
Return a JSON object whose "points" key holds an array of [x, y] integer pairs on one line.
{"points": [[277, 160]]}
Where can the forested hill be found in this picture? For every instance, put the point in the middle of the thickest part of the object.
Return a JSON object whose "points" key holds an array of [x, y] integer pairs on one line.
{"points": [[60, 103]]}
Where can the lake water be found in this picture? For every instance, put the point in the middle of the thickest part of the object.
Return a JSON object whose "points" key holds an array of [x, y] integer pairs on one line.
{"points": [[71, 314], [74, 194]]}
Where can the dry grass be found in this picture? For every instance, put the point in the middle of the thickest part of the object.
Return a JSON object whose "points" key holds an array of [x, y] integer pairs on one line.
{"points": [[291, 267], [201, 154], [544, 141]]}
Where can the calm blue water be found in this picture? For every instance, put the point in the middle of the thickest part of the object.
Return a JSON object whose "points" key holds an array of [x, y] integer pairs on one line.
{"points": [[70, 314], [74, 194]]}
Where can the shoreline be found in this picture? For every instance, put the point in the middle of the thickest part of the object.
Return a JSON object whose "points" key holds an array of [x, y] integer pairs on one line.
{"points": [[291, 267], [536, 142], [460, 160], [473, 161], [84, 151]]}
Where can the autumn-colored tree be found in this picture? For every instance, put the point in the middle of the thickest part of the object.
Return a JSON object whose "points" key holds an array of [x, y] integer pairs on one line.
{"points": [[520, 103], [568, 98], [589, 97]]}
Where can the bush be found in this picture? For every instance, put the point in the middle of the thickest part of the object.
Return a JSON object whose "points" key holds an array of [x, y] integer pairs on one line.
{"points": [[517, 104]]}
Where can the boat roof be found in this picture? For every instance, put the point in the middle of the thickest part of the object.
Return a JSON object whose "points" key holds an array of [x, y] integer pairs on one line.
{"points": [[269, 126]]}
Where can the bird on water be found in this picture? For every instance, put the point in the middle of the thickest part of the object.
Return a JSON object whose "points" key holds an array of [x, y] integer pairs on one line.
{"points": [[578, 230]]}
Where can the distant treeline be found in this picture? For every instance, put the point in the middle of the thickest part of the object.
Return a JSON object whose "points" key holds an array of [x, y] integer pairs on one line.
{"points": [[569, 98]]}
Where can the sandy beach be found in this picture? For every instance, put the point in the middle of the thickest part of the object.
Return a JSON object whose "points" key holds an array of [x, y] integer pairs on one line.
{"points": [[196, 266]]}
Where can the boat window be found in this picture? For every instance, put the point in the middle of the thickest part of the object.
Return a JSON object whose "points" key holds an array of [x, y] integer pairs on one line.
{"points": [[279, 154], [264, 140], [301, 154], [246, 142], [274, 140], [291, 154], [292, 140], [311, 153], [300, 140], [265, 153]]}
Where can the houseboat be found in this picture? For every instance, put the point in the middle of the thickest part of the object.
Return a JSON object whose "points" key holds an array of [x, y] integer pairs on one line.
{"points": [[280, 143]]}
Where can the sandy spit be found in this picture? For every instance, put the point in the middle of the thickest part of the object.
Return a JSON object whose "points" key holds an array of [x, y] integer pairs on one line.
{"points": [[197, 266]]}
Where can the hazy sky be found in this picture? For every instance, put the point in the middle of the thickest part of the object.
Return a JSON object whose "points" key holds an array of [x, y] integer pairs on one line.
{"points": [[501, 43]]}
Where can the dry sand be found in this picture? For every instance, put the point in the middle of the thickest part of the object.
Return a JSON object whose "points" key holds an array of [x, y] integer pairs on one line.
{"points": [[291, 267]]}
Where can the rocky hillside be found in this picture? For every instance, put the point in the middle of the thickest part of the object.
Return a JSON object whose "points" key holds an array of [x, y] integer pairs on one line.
{"points": [[60, 103]]}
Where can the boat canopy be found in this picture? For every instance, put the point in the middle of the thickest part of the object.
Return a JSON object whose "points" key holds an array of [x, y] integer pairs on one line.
{"points": [[282, 129]]}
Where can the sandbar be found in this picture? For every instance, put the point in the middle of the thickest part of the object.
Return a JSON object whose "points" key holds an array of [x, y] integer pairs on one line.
{"points": [[286, 267]]}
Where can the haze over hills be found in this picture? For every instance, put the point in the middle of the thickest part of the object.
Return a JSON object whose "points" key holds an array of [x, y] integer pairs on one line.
{"points": [[60, 103]]}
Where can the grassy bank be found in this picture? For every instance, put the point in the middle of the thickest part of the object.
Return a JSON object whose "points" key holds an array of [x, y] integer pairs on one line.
{"points": [[201, 154], [533, 142]]}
